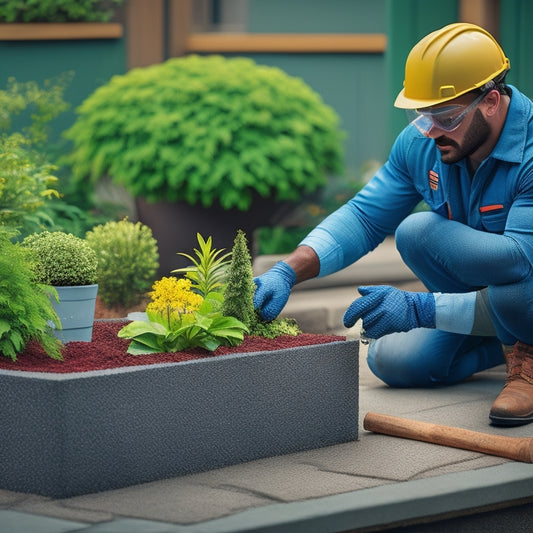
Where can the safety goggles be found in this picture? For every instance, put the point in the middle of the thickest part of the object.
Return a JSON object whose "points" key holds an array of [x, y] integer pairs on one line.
{"points": [[446, 118]]}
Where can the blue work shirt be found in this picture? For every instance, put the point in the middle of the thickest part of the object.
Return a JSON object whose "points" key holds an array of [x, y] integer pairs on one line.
{"points": [[497, 199]]}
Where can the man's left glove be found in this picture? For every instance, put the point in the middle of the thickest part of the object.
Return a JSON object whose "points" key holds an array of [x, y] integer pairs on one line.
{"points": [[387, 310]]}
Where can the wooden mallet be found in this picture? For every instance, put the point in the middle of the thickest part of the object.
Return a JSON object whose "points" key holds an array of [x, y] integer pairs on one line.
{"points": [[515, 448]]}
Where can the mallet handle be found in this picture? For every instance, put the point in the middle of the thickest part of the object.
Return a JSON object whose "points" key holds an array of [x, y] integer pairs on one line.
{"points": [[516, 448]]}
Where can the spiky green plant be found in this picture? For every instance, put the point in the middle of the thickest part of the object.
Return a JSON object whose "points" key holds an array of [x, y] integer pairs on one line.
{"points": [[26, 311], [208, 269]]}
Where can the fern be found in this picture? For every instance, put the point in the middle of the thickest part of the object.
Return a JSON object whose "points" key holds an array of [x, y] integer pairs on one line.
{"points": [[26, 312]]}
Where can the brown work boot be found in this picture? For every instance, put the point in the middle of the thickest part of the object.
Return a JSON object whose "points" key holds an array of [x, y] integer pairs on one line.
{"points": [[514, 405]]}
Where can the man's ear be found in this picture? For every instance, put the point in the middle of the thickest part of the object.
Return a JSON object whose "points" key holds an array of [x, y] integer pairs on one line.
{"points": [[492, 102]]}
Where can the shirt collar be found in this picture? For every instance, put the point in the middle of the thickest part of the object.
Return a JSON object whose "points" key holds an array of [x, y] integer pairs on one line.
{"points": [[511, 144]]}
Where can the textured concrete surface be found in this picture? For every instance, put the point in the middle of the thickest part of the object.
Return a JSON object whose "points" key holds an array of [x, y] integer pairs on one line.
{"points": [[94, 431], [376, 482]]}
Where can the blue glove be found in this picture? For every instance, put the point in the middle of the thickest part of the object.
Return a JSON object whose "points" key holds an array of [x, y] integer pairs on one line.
{"points": [[387, 310], [273, 290]]}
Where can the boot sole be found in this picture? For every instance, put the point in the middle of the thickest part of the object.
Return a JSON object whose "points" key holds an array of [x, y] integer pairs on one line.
{"points": [[508, 421]]}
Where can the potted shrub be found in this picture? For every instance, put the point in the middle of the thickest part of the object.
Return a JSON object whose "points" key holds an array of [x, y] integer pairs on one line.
{"points": [[127, 262], [69, 264], [159, 415], [224, 138]]}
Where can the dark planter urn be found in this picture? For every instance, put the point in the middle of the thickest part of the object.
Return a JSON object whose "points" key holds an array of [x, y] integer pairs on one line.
{"points": [[175, 224]]}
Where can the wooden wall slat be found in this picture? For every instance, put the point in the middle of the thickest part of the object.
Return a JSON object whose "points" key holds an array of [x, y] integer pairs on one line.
{"points": [[286, 43], [144, 22], [39, 31], [484, 13]]}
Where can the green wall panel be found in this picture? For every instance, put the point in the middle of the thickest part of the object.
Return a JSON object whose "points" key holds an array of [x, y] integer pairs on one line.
{"points": [[407, 22], [316, 16], [516, 38], [353, 84]]}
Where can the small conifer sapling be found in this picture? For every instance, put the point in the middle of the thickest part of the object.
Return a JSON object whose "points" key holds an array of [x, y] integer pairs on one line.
{"points": [[239, 296], [240, 286]]}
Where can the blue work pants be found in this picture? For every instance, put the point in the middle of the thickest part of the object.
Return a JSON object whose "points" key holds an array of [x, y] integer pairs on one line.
{"points": [[450, 257]]}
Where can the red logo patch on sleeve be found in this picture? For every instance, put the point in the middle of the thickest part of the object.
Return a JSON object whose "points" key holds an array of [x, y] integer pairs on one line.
{"points": [[433, 178]]}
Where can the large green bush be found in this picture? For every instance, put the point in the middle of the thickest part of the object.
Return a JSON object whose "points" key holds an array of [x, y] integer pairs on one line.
{"points": [[207, 129]]}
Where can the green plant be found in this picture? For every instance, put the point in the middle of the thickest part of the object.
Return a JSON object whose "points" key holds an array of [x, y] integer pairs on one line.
{"points": [[127, 261], [239, 291], [56, 10], [207, 129], [26, 312], [62, 259], [239, 296], [180, 318], [208, 270], [276, 328], [212, 305], [27, 107], [27, 183]]}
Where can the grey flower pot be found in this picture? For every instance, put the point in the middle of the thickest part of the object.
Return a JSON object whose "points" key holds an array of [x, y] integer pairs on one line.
{"points": [[70, 434], [76, 311]]}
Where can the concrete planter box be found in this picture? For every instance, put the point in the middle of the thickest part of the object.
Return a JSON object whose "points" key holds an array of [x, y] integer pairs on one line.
{"points": [[69, 434]]}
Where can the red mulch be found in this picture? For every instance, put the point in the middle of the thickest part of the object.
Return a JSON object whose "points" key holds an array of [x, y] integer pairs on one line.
{"points": [[117, 311], [109, 351]]}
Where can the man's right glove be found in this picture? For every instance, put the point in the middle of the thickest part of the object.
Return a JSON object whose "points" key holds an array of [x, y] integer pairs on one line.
{"points": [[273, 290]]}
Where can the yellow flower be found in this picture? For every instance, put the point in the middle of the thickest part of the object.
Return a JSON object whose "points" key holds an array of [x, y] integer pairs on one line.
{"points": [[171, 295]]}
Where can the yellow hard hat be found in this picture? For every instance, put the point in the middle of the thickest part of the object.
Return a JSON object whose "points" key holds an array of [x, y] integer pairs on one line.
{"points": [[448, 63]]}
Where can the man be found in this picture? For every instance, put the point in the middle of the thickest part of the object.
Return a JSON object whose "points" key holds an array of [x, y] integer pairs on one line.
{"points": [[468, 153]]}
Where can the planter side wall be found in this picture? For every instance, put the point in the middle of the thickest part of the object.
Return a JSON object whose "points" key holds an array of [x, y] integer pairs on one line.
{"points": [[104, 430]]}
